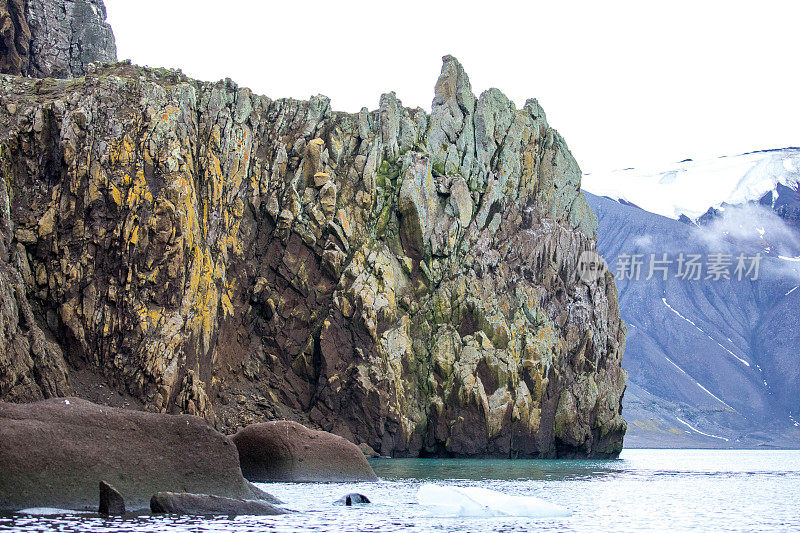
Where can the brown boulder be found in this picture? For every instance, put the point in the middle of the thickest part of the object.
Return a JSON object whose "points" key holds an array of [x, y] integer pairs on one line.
{"points": [[288, 451], [208, 505], [54, 452]]}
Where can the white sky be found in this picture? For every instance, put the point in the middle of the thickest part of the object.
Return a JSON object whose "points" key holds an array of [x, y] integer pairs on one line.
{"points": [[628, 84]]}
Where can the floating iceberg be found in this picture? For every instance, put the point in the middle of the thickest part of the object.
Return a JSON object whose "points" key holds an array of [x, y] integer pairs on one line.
{"points": [[49, 511], [478, 502]]}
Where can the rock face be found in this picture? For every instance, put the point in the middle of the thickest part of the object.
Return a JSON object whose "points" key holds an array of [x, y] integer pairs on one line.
{"points": [[287, 451], [54, 453], [402, 279], [15, 37], [54, 38], [207, 505]]}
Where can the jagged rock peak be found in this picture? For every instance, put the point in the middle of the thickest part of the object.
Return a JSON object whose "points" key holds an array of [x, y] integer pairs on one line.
{"points": [[453, 86]]}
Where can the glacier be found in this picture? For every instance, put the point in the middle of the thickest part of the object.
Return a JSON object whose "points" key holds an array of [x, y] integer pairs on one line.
{"points": [[691, 187]]}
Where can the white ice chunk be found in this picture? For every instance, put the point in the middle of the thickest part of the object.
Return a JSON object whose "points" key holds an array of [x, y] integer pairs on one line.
{"points": [[478, 502], [48, 511]]}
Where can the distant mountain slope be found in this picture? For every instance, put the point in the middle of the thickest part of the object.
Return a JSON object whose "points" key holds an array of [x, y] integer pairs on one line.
{"points": [[690, 188], [711, 363]]}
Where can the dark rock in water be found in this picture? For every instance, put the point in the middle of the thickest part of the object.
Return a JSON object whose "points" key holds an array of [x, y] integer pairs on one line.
{"points": [[353, 499], [288, 451], [111, 501], [53, 452], [207, 505]]}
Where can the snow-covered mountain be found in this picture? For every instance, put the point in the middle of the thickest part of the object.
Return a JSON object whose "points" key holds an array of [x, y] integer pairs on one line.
{"points": [[711, 361], [690, 187]]}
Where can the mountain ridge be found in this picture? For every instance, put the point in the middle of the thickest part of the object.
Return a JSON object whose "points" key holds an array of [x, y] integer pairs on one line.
{"points": [[711, 363], [692, 187]]}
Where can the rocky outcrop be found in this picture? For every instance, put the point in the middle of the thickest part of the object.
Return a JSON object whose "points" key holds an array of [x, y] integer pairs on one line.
{"points": [[32, 361], [287, 451], [54, 453], [54, 38], [406, 280], [111, 501], [209, 505]]}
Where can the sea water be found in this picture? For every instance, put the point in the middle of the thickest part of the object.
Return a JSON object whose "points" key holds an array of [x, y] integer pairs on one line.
{"points": [[644, 490]]}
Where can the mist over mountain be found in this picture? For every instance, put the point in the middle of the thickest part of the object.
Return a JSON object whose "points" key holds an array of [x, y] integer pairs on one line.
{"points": [[712, 355]]}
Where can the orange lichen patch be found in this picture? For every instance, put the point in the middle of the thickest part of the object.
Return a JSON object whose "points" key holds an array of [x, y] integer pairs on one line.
{"points": [[227, 305], [149, 317], [115, 194], [134, 236], [123, 152], [139, 191], [181, 194], [205, 297], [168, 113], [216, 136]]}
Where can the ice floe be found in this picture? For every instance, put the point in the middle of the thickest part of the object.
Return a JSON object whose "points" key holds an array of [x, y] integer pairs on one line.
{"points": [[480, 502]]}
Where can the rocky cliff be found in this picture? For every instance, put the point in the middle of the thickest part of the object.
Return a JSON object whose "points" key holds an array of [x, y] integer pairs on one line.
{"points": [[53, 38], [401, 278]]}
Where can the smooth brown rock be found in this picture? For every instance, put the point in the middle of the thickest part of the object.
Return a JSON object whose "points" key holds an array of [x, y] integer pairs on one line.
{"points": [[209, 505], [54, 452], [288, 451]]}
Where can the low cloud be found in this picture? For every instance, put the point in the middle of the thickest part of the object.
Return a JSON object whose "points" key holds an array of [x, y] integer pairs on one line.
{"points": [[750, 229]]}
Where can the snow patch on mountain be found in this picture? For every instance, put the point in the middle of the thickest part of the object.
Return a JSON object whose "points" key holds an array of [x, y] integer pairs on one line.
{"points": [[690, 187], [687, 424]]}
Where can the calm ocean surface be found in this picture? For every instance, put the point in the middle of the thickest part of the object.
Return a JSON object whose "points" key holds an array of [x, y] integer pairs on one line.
{"points": [[644, 490]]}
